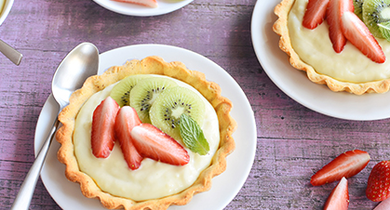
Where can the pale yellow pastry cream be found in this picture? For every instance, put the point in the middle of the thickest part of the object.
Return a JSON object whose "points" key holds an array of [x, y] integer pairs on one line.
{"points": [[314, 48], [153, 179]]}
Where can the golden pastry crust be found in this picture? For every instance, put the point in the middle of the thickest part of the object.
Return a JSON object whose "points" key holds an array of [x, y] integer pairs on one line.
{"points": [[150, 65], [280, 27]]}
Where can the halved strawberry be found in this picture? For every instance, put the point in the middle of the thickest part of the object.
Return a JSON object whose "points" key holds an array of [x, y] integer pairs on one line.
{"points": [[148, 3], [358, 34], [315, 13], [102, 134], [151, 142], [126, 119], [378, 185], [339, 197], [345, 165], [334, 13]]}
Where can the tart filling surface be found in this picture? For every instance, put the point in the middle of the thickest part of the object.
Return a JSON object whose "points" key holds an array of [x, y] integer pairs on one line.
{"points": [[153, 179], [311, 51], [154, 185]]}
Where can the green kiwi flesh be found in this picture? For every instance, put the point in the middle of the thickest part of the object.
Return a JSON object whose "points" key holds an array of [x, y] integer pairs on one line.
{"points": [[121, 91], [358, 8], [168, 107], [376, 12], [145, 93]]}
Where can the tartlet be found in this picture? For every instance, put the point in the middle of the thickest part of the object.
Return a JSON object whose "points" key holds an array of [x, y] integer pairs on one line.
{"points": [[150, 65], [335, 83]]}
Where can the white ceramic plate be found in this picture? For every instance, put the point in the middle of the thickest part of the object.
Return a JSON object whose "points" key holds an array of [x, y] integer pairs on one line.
{"points": [[6, 9], [225, 186], [294, 82], [164, 7]]}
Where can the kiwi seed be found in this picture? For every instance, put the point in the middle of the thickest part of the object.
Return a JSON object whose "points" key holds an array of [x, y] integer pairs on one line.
{"points": [[358, 8]]}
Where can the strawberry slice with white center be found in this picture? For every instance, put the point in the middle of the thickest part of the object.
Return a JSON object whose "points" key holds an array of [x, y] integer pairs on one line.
{"points": [[358, 34], [347, 164], [148, 3], [152, 143], [339, 197], [102, 134], [315, 13], [334, 13], [126, 120]]}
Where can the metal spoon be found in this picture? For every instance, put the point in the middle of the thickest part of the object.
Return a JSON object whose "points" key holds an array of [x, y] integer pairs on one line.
{"points": [[77, 66], [10, 53]]}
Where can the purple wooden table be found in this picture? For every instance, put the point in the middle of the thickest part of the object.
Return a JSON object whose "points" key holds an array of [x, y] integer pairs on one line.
{"points": [[293, 141]]}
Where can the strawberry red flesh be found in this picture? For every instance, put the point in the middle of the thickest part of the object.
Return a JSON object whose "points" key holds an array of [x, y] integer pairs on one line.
{"points": [[345, 165], [358, 34], [315, 13], [378, 185], [126, 119], [151, 142], [102, 134], [334, 13], [339, 197]]}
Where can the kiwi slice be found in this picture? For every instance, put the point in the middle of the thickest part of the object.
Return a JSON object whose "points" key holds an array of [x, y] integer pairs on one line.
{"points": [[376, 12], [170, 105], [145, 93], [121, 91], [358, 5]]}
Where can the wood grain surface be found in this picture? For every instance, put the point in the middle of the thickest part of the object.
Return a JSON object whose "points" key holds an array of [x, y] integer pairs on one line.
{"points": [[293, 142]]}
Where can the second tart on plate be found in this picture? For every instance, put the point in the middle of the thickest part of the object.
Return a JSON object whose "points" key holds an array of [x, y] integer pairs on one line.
{"points": [[311, 50]]}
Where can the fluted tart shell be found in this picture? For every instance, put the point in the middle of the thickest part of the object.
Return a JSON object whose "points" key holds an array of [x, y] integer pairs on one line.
{"points": [[149, 65]]}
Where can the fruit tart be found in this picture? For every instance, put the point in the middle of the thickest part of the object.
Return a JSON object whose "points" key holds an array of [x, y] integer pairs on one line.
{"points": [[146, 135], [340, 43]]}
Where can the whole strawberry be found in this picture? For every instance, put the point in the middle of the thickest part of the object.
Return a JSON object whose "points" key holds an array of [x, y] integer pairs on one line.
{"points": [[378, 186]]}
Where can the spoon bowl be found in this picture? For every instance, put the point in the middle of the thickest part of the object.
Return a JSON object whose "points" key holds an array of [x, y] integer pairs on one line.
{"points": [[75, 68], [81, 63]]}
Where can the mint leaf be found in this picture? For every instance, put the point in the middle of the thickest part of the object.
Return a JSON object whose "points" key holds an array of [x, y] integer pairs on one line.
{"points": [[384, 28], [192, 135]]}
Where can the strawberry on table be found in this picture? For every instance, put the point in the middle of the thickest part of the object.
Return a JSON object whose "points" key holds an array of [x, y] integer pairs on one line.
{"points": [[345, 165], [151, 142], [126, 119], [378, 185], [358, 34], [384, 205], [102, 134], [334, 13], [339, 197], [315, 13]]}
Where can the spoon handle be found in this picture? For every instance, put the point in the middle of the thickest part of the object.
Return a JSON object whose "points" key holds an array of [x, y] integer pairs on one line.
{"points": [[10, 53], [23, 199]]}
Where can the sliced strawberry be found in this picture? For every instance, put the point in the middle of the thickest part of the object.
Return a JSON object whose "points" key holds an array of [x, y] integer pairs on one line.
{"points": [[148, 3], [384, 205], [102, 134], [358, 34], [378, 185], [315, 13], [346, 165], [151, 142], [334, 13], [339, 197], [126, 119]]}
